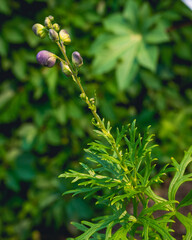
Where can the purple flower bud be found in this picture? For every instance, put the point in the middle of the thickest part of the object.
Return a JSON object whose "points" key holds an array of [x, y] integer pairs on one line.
{"points": [[53, 35], [46, 58], [64, 36], [77, 59], [39, 30], [65, 69]]}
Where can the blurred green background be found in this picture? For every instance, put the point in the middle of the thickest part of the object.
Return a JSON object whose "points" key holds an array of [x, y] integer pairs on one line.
{"points": [[137, 59]]}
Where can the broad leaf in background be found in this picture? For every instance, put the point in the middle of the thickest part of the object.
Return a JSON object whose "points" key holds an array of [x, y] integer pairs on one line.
{"points": [[131, 42]]}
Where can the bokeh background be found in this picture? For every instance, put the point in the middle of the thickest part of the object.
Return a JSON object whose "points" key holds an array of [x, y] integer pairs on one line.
{"points": [[137, 60]]}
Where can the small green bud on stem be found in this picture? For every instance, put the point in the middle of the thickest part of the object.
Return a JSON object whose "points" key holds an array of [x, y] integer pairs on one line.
{"points": [[64, 37], [39, 30], [65, 69], [56, 27], [83, 96], [51, 17], [47, 22]]}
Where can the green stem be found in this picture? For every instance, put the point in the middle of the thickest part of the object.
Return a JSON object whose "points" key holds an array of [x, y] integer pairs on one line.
{"points": [[92, 107]]}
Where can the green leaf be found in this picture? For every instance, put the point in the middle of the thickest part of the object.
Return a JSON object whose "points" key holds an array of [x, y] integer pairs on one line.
{"points": [[121, 233], [95, 227], [122, 197], [127, 68], [187, 222], [19, 67], [5, 7], [51, 79], [6, 96], [156, 225], [179, 177], [99, 43], [147, 56], [3, 47], [164, 206], [116, 24], [131, 11], [107, 57], [61, 113], [186, 201], [157, 35]]}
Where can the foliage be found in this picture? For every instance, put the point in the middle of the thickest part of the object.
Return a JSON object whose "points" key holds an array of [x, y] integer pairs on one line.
{"points": [[42, 133], [132, 42], [121, 174]]}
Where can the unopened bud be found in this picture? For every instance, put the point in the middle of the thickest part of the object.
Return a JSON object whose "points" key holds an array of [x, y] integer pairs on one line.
{"points": [[77, 60], [56, 27], [65, 69], [39, 30], [48, 22], [46, 58], [53, 35], [64, 36], [51, 17], [82, 96]]}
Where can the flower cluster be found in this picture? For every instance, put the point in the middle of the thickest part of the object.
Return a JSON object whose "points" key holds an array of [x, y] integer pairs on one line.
{"points": [[61, 38]]}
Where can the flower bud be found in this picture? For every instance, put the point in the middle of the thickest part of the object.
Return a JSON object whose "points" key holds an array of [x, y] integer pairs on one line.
{"points": [[53, 35], [56, 27], [39, 30], [83, 96], [77, 60], [64, 36], [48, 22], [51, 17], [65, 69], [46, 58]]}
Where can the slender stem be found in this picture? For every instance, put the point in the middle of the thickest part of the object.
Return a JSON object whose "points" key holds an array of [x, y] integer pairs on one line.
{"points": [[62, 48], [90, 105]]}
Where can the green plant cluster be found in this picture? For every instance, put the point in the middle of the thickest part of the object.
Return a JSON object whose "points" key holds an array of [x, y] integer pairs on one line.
{"points": [[121, 172], [43, 123]]}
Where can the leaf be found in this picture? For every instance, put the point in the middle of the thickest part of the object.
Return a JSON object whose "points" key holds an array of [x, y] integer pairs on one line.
{"points": [[6, 96], [187, 222], [121, 134], [179, 177], [127, 68], [19, 67], [5, 7], [107, 165], [130, 12], [79, 226], [127, 195], [95, 227], [116, 24], [99, 43], [3, 47], [157, 35], [186, 201], [165, 206], [51, 79], [61, 113], [107, 57], [121, 233], [147, 56], [156, 225]]}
